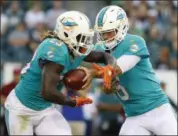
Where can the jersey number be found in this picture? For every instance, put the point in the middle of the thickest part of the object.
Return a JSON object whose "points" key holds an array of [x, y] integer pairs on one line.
{"points": [[122, 93], [24, 70]]}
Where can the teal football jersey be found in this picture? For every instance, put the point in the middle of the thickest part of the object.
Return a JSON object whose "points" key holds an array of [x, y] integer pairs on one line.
{"points": [[29, 88], [140, 90]]}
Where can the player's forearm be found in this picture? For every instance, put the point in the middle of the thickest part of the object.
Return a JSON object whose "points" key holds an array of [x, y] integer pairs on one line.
{"points": [[58, 98], [125, 63], [50, 79], [100, 57], [109, 60]]}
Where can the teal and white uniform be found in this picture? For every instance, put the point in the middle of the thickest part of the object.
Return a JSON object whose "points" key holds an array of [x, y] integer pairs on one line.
{"points": [[145, 104], [26, 111], [140, 89], [28, 90]]}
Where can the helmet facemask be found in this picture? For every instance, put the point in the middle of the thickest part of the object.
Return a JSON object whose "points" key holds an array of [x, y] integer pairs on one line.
{"points": [[74, 29], [109, 41], [82, 45]]}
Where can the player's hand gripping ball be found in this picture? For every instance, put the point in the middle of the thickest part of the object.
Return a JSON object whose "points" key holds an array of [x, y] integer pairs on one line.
{"points": [[74, 79]]}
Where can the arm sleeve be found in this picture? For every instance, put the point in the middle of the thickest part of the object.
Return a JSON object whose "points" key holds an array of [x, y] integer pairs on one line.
{"points": [[138, 48], [127, 62]]}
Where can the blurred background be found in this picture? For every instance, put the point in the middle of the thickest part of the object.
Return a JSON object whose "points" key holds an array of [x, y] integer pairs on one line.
{"points": [[24, 22]]}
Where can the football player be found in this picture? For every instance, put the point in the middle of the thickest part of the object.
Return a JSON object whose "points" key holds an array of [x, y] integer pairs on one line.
{"points": [[29, 107], [146, 106]]}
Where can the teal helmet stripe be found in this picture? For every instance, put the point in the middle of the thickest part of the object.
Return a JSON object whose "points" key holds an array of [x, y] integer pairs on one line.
{"points": [[101, 15]]}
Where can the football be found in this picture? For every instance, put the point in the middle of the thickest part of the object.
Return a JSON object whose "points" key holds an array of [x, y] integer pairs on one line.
{"points": [[74, 79]]}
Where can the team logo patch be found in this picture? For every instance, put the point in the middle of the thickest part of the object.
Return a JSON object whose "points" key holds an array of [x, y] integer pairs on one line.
{"points": [[50, 54], [120, 16], [134, 48], [51, 49], [68, 23]]}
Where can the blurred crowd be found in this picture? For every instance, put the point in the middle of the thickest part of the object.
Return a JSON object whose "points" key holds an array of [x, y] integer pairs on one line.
{"points": [[156, 22], [24, 22]]}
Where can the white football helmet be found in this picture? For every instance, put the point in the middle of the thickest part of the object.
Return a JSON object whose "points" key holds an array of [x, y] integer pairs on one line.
{"points": [[74, 28], [111, 19]]}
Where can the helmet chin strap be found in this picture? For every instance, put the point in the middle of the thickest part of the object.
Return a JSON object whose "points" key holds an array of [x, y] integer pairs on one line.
{"points": [[75, 53], [71, 52], [111, 45]]}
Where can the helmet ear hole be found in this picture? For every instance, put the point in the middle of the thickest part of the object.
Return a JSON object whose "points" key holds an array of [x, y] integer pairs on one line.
{"points": [[116, 31], [78, 37], [124, 27], [66, 35]]}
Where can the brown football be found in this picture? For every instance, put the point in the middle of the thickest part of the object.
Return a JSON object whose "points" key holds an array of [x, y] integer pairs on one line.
{"points": [[74, 79]]}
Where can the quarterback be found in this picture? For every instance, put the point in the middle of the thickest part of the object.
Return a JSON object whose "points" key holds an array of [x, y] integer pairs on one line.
{"points": [[29, 107], [146, 106]]}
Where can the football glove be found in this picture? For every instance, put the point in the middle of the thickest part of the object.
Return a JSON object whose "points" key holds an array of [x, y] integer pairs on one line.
{"points": [[107, 72], [80, 101]]}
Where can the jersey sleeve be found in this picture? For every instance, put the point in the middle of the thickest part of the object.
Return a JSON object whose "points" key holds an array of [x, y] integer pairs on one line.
{"points": [[137, 47], [55, 52]]}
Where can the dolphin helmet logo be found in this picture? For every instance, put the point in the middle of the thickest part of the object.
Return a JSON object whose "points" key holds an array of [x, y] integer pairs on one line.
{"points": [[68, 23]]}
